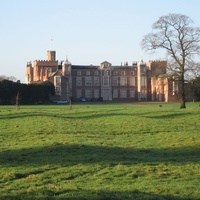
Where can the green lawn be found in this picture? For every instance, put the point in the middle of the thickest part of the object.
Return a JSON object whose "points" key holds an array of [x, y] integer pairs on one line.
{"points": [[100, 151]]}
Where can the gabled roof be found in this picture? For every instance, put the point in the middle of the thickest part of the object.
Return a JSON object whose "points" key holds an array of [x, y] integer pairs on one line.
{"points": [[105, 65], [57, 72], [106, 62]]}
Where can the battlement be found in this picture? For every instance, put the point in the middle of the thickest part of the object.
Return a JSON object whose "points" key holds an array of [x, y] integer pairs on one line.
{"points": [[29, 64], [45, 61], [157, 61]]}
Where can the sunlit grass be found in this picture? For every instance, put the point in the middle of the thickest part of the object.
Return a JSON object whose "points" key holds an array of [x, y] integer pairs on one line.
{"points": [[100, 151]]}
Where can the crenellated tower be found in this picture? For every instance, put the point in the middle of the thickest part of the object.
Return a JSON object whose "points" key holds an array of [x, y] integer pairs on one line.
{"points": [[159, 82], [51, 55]]}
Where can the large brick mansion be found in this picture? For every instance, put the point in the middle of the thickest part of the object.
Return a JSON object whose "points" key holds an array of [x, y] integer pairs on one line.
{"points": [[139, 81]]}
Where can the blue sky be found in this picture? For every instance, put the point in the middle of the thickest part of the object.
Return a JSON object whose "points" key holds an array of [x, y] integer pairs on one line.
{"points": [[86, 31]]}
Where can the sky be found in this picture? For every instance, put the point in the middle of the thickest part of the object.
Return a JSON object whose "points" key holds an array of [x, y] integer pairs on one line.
{"points": [[85, 31]]}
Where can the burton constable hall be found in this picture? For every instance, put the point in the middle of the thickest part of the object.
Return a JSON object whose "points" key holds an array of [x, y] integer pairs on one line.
{"points": [[140, 81]]}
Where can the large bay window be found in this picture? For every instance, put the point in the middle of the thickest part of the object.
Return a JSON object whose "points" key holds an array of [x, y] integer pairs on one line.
{"points": [[96, 81], [57, 84], [88, 81], [105, 81], [122, 80], [78, 81]]}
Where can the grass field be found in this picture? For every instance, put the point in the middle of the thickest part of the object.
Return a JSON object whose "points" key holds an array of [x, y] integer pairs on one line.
{"points": [[100, 151]]}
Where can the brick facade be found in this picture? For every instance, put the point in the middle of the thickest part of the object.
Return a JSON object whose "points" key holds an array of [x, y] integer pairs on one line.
{"points": [[139, 81]]}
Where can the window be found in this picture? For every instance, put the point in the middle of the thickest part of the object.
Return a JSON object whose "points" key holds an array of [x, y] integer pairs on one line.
{"points": [[88, 93], [87, 73], [122, 81], [115, 73], [143, 93], [57, 80], [78, 81], [132, 73], [132, 81], [57, 84], [88, 81], [123, 93], [115, 93], [78, 93], [143, 81], [96, 81], [78, 73], [58, 90], [132, 93], [96, 73], [142, 69], [175, 87], [123, 73], [105, 73], [106, 81], [96, 93], [115, 81], [28, 78]]}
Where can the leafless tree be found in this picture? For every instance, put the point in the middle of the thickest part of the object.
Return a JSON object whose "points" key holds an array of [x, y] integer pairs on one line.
{"points": [[175, 34]]}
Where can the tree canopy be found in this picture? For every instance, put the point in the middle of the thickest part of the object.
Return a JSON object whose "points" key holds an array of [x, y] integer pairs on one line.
{"points": [[26, 94], [175, 34]]}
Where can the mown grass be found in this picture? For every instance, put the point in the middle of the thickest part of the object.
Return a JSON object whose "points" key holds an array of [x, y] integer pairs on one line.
{"points": [[100, 151]]}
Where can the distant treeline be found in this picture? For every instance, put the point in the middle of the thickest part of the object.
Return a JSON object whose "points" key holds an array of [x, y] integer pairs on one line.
{"points": [[16, 92], [193, 89]]}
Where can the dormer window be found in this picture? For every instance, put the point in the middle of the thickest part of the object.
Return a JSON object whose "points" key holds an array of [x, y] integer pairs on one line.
{"points": [[105, 65]]}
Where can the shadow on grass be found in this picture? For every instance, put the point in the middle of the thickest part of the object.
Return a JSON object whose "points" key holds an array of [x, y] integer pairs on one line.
{"points": [[82, 154], [86, 114], [91, 114], [80, 194], [170, 115], [69, 155]]}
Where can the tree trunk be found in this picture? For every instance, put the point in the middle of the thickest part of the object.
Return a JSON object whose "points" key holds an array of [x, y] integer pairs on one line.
{"points": [[182, 92], [183, 104], [17, 100]]}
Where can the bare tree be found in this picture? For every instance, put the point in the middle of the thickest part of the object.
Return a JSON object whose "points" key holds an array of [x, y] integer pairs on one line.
{"points": [[174, 33]]}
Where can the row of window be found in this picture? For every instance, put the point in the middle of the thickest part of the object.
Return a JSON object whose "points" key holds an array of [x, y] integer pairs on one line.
{"points": [[105, 73], [106, 81], [122, 93]]}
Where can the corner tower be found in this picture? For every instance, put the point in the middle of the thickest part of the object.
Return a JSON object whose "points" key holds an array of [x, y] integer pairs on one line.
{"points": [[51, 55]]}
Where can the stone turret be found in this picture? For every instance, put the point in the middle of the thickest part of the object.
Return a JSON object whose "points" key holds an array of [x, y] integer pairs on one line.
{"points": [[66, 67]]}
